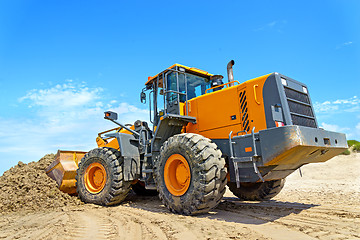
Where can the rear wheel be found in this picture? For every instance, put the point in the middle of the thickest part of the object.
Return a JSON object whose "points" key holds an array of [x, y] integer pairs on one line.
{"points": [[190, 174], [258, 191], [99, 178]]}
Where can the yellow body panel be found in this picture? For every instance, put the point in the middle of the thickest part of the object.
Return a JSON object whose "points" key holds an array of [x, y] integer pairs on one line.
{"points": [[112, 144], [182, 108], [215, 110], [254, 94], [126, 131], [219, 112]]}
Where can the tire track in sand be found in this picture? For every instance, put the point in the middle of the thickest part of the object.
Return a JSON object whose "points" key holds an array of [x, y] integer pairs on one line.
{"points": [[106, 223], [33, 226], [155, 220], [87, 225], [323, 222]]}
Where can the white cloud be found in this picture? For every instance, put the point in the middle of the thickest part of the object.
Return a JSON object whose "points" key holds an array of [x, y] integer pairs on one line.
{"points": [[340, 116], [338, 106], [69, 105], [129, 113], [334, 127], [63, 96], [342, 129], [273, 25], [66, 116], [344, 44]]}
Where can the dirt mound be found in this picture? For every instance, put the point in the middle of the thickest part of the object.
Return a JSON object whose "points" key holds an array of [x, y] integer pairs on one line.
{"points": [[27, 187]]}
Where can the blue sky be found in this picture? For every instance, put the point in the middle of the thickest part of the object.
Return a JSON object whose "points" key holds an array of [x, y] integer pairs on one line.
{"points": [[63, 63]]}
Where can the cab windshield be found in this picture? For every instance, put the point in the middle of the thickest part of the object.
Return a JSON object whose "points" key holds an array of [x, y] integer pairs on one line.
{"points": [[195, 86]]}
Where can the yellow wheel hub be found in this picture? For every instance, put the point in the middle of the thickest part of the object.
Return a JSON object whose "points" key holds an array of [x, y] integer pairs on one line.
{"points": [[95, 177], [177, 175]]}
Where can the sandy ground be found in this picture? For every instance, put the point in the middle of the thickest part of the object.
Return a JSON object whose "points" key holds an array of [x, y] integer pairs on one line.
{"points": [[323, 204]]}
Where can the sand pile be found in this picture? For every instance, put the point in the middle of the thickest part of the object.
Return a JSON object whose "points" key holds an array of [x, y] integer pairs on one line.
{"points": [[27, 187]]}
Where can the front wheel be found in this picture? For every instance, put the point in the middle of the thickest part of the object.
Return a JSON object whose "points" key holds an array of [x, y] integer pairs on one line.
{"points": [[99, 178], [190, 174], [258, 191]]}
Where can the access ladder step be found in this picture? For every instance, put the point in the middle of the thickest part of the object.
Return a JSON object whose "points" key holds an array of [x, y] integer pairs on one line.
{"points": [[242, 159]]}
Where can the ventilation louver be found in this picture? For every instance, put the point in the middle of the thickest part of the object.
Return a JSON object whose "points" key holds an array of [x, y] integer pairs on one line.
{"points": [[244, 112]]}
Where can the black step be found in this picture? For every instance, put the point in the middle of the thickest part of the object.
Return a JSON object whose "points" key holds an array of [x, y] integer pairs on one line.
{"points": [[242, 159]]}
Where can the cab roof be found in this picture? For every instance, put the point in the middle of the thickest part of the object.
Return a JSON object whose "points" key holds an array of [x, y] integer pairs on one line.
{"points": [[192, 70]]}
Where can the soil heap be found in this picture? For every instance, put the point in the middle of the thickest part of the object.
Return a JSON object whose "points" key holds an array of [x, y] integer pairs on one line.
{"points": [[26, 187]]}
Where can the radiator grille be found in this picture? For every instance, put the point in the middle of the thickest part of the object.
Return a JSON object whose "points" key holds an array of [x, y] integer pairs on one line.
{"points": [[303, 121], [300, 108], [244, 112], [302, 97]]}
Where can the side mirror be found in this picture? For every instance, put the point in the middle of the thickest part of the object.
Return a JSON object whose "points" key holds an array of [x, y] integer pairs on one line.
{"points": [[143, 97], [111, 115]]}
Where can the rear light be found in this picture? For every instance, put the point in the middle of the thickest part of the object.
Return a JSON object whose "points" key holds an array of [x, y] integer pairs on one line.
{"points": [[279, 124], [305, 90]]}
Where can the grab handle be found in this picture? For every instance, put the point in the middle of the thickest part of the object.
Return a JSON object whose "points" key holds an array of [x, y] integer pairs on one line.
{"points": [[256, 85]]}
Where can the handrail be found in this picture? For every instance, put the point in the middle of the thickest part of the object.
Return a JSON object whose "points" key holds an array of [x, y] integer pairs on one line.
{"points": [[228, 83], [172, 91], [255, 155]]}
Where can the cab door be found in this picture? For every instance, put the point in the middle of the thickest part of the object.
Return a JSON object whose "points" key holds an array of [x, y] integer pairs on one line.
{"points": [[175, 93]]}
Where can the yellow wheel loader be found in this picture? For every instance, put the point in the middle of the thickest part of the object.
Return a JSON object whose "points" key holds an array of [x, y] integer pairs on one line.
{"points": [[203, 134]]}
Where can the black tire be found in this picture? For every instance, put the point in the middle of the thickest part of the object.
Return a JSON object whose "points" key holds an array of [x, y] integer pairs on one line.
{"points": [[115, 189], [139, 189], [259, 191], [208, 174]]}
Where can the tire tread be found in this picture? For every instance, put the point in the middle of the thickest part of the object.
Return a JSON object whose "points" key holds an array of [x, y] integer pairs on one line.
{"points": [[209, 167], [259, 191], [118, 189]]}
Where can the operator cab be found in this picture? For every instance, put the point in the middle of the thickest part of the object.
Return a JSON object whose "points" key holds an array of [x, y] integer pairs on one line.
{"points": [[171, 96]]}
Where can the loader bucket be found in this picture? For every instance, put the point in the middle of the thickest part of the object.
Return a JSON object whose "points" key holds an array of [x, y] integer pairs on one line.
{"points": [[63, 170]]}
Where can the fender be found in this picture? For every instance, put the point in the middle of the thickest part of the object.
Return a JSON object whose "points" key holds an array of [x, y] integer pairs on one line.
{"points": [[129, 151]]}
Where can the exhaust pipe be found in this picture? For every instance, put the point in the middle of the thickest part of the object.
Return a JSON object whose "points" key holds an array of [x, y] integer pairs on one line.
{"points": [[230, 72]]}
